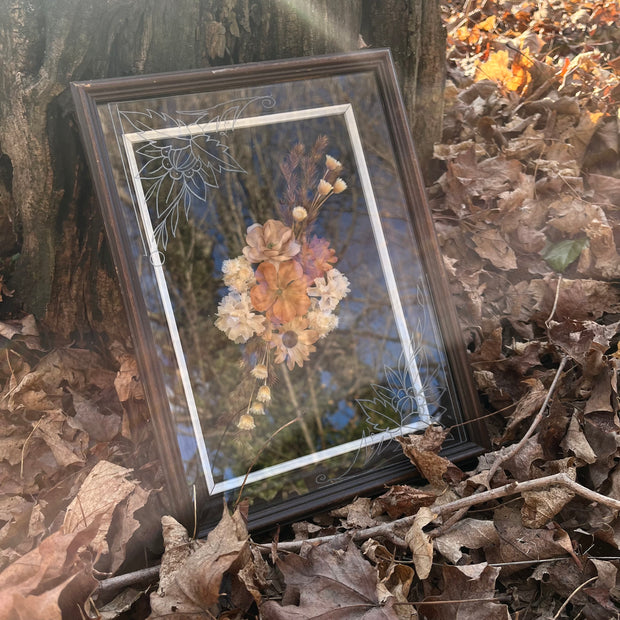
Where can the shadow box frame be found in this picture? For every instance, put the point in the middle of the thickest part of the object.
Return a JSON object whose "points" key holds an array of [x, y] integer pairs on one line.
{"points": [[162, 149]]}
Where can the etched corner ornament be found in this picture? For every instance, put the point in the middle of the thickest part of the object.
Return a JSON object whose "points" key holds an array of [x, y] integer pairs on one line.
{"points": [[182, 157]]}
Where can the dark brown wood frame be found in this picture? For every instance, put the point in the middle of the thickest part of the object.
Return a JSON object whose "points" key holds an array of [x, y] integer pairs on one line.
{"points": [[89, 95]]}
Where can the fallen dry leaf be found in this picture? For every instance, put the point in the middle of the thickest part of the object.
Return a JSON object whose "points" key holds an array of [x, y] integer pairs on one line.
{"points": [[105, 487], [333, 581], [191, 585], [33, 586], [469, 533], [401, 500], [476, 581], [420, 543], [433, 467]]}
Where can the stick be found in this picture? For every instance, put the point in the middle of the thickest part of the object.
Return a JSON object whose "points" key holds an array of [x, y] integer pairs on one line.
{"points": [[502, 458], [388, 529], [513, 488], [585, 583]]}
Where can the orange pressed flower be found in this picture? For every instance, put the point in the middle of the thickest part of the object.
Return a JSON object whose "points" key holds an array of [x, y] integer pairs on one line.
{"points": [[280, 292]]}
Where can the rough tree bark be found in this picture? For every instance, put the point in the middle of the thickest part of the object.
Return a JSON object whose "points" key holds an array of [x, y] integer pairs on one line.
{"points": [[52, 246]]}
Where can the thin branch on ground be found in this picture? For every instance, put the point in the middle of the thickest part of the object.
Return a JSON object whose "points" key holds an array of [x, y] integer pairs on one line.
{"points": [[389, 530], [510, 452]]}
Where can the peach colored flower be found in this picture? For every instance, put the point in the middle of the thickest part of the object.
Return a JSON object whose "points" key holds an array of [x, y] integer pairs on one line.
{"points": [[339, 186], [264, 394], [257, 408], [281, 292], [272, 241], [324, 187], [332, 163], [299, 214], [294, 342]]}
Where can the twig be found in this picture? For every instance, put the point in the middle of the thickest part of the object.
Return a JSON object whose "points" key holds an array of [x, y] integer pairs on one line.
{"points": [[142, 576], [21, 461], [384, 529], [502, 458], [555, 302], [387, 530], [585, 583]]}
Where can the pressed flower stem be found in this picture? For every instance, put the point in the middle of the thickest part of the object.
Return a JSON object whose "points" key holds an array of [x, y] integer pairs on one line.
{"points": [[291, 392], [297, 419]]}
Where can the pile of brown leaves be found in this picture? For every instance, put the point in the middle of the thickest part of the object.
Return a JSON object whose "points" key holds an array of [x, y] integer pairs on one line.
{"points": [[527, 215]]}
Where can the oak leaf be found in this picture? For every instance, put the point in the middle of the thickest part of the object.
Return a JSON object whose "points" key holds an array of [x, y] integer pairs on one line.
{"points": [[332, 582]]}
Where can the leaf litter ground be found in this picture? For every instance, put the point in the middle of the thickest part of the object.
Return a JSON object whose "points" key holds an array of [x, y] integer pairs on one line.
{"points": [[526, 210]]}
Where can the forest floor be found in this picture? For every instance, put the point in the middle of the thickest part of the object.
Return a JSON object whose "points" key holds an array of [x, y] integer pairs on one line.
{"points": [[527, 214]]}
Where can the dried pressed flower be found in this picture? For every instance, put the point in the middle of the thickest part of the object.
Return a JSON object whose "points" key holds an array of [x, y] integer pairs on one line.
{"points": [[293, 342], [272, 241], [236, 319], [332, 163], [316, 257], [259, 372], [264, 394], [322, 322], [324, 187], [299, 214], [246, 422], [330, 289], [280, 293], [339, 186], [238, 274], [257, 408]]}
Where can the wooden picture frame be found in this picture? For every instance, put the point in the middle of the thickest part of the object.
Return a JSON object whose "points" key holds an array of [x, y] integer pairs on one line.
{"points": [[282, 279]]}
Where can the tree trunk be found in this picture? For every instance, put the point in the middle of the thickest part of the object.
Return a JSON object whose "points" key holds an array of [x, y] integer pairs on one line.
{"points": [[52, 247]]}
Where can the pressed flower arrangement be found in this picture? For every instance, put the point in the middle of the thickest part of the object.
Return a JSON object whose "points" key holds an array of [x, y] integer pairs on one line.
{"points": [[283, 290]]}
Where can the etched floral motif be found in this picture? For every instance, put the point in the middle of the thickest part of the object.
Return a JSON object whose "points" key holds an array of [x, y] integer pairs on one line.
{"points": [[179, 162], [287, 302]]}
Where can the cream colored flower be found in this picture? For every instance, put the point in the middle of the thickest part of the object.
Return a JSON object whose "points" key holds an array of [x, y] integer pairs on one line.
{"points": [[257, 408], [332, 163], [272, 241], [238, 274], [339, 186], [236, 319], [294, 342], [264, 394], [259, 372], [324, 187], [330, 289], [322, 322], [299, 214], [246, 422]]}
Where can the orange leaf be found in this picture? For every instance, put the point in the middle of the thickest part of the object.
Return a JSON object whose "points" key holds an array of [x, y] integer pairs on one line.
{"points": [[498, 68]]}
